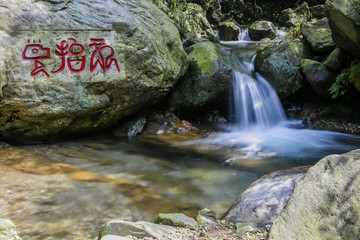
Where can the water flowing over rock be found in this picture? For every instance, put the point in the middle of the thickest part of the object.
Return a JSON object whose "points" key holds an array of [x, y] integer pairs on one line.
{"points": [[143, 59], [280, 66], [261, 29], [344, 21], [207, 80], [318, 34], [325, 204], [264, 200]]}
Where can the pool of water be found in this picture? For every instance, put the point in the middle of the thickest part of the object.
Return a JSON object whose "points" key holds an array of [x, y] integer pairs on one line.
{"points": [[66, 190]]}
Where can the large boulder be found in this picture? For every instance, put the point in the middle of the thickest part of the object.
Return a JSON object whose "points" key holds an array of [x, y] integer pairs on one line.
{"points": [[262, 29], [325, 204], [292, 17], [264, 200], [207, 80], [229, 31], [318, 75], [318, 11], [280, 66], [344, 21], [8, 230], [45, 96], [335, 60], [318, 34]]}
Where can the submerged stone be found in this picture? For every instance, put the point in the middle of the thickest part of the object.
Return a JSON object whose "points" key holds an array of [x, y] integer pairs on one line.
{"points": [[176, 220]]}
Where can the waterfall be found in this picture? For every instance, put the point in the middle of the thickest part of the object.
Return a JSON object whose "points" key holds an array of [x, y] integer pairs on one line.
{"points": [[244, 35], [253, 101]]}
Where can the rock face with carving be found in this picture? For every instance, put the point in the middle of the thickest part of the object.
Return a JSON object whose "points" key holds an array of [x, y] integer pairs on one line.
{"points": [[70, 67]]}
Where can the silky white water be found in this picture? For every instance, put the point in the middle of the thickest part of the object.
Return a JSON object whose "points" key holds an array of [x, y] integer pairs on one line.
{"points": [[259, 128]]}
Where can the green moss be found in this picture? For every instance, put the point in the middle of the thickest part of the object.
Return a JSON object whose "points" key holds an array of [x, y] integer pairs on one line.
{"points": [[204, 54], [348, 75]]}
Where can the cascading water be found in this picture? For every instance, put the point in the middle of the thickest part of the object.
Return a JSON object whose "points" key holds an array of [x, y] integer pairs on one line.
{"points": [[253, 102], [261, 129]]}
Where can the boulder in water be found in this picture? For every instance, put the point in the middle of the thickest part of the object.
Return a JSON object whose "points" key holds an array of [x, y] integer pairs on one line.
{"points": [[207, 80], [229, 31], [318, 75], [44, 98], [280, 66], [325, 204], [344, 21], [261, 29], [263, 201], [318, 34]]}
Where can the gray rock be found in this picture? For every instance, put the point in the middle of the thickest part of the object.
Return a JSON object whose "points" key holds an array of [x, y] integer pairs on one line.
{"points": [[131, 127], [292, 17], [318, 34], [207, 80], [242, 228], [344, 21], [335, 60], [325, 204], [318, 75], [229, 31], [262, 29], [137, 229], [263, 201], [205, 217], [146, 45], [8, 230], [176, 220], [318, 11], [280, 64], [114, 237]]}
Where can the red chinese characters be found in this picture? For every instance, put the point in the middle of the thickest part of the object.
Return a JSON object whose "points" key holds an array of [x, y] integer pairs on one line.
{"points": [[105, 63], [36, 52], [72, 56], [63, 50]]}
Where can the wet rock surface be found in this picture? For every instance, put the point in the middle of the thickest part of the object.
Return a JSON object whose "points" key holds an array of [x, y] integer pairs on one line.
{"points": [[264, 200]]}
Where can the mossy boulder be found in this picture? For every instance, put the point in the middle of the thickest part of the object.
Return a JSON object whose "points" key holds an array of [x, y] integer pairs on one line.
{"points": [[318, 34], [325, 204], [8, 230], [207, 81], [318, 11], [177, 220], [280, 66], [292, 17], [318, 75], [205, 217], [147, 48], [335, 60], [229, 31], [344, 21], [262, 29]]}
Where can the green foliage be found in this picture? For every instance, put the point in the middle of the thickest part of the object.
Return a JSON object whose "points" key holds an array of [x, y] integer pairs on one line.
{"points": [[295, 32], [343, 80]]}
